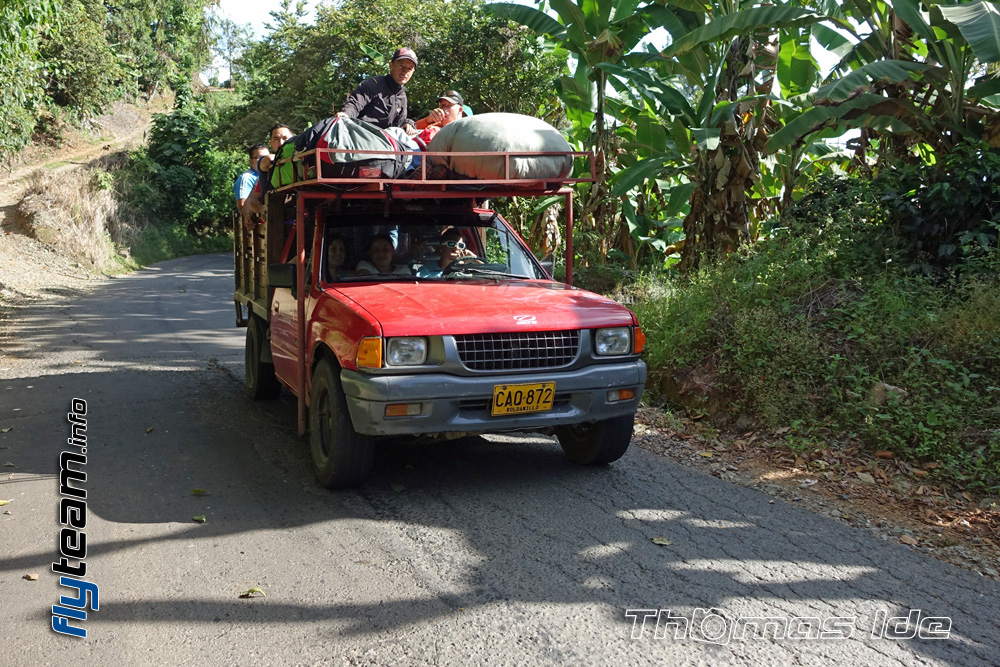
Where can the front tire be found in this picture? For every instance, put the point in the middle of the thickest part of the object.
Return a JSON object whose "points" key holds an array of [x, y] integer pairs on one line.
{"points": [[341, 457], [260, 382], [597, 443]]}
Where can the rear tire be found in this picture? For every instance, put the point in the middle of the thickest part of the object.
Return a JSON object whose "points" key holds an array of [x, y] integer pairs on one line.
{"points": [[597, 443], [341, 457], [261, 382]]}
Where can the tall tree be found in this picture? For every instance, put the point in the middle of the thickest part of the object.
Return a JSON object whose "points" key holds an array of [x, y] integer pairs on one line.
{"points": [[230, 40]]}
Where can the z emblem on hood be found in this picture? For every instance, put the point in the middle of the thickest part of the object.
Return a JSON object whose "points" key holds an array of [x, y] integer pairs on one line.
{"points": [[525, 319]]}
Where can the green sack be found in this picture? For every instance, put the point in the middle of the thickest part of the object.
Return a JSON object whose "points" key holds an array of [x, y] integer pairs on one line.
{"points": [[284, 174]]}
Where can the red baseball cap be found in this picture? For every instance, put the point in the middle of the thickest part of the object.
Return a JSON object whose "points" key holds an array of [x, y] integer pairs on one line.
{"points": [[405, 53]]}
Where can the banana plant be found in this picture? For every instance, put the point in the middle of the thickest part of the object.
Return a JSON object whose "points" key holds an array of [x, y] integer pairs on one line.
{"points": [[907, 73], [593, 32], [711, 91]]}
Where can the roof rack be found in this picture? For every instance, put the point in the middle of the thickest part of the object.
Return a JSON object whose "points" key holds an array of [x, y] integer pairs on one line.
{"points": [[422, 185]]}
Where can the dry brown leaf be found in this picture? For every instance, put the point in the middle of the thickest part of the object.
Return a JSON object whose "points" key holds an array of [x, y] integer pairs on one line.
{"points": [[866, 478], [883, 454], [932, 466], [707, 455], [906, 539], [968, 496], [661, 541], [920, 473], [800, 462], [30, 577]]}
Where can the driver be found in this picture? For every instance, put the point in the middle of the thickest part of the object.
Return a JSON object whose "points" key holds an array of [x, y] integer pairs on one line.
{"points": [[451, 247]]}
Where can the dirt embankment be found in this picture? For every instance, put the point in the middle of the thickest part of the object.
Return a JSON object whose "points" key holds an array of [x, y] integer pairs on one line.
{"points": [[31, 269]]}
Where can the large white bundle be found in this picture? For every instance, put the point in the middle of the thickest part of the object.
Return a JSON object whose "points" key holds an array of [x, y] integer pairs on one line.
{"points": [[502, 132]]}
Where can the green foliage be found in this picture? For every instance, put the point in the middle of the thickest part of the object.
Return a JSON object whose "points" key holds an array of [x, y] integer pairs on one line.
{"points": [[950, 210], [22, 24], [98, 51], [816, 327], [83, 70], [161, 242], [180, 179]]}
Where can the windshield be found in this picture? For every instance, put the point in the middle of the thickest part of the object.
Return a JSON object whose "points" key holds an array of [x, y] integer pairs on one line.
{"points": [[460, 248]]}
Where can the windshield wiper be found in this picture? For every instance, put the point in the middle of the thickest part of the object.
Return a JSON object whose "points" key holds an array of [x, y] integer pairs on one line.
{"points": [[481, 271]]}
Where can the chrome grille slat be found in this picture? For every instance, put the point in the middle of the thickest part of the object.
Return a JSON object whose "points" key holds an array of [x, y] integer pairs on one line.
{"points": [[518, 351]]}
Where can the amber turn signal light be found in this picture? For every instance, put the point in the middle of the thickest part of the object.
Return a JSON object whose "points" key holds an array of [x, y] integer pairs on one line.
{"points": [[370, 353]]}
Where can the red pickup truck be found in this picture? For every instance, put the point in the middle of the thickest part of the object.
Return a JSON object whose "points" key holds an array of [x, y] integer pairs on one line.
{"points": [[406, 310]]}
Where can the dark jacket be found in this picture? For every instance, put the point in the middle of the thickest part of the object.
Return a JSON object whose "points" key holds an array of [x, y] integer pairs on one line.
{"points": [[380, 101]]}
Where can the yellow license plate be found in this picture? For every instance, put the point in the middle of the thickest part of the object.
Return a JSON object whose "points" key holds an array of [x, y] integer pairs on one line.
{"points": [[515, 399]]}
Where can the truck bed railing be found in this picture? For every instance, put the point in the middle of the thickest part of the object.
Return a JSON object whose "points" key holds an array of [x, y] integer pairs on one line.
{"points": [[421, 180]]}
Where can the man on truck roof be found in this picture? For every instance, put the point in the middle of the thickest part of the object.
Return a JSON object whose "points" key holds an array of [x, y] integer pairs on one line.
{"points": [[450, 108], [381, 100]]}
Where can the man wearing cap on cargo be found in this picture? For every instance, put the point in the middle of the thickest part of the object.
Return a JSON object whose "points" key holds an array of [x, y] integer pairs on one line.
{"points": [[381, 100], [450, 108]]}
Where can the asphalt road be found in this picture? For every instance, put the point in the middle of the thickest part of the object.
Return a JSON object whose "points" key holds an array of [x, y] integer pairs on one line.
{"points": [[474, 552]]}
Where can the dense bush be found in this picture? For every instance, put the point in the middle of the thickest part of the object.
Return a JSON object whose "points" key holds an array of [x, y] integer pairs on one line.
{"points": [[949, 211], [22, 25], [816, 328], [180, 179]]}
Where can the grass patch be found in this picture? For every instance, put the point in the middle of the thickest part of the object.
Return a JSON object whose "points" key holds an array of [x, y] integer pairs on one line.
{"points": [[822, 330], [161, 242]]}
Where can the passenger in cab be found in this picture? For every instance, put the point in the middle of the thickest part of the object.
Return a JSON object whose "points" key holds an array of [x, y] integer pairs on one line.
{"points": [[336, 257], [381, 254]]}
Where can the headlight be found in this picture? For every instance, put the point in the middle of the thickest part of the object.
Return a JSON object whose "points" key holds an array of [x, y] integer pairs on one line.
{"points": [[614, 341], [406, 351]]}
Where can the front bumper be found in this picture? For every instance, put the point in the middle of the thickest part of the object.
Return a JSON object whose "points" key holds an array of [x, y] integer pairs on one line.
{"points": [[454, 404]]}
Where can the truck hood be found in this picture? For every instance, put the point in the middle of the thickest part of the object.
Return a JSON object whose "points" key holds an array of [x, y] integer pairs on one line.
{"points": [[435, 308]]}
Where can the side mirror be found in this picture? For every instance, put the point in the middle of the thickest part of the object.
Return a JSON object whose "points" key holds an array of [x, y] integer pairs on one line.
{"points": [[548, 263], [281, 275]]}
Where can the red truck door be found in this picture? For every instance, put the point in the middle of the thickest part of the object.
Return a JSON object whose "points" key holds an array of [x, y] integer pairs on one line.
{"points": [[284, 338]]}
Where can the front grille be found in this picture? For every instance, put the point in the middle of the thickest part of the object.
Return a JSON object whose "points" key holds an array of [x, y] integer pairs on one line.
{"points": [[518, 351]]}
